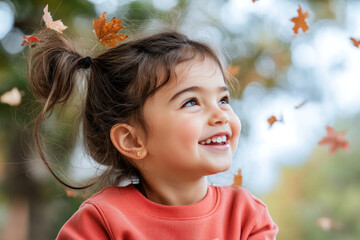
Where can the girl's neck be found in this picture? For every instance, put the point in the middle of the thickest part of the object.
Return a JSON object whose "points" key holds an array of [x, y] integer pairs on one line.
{"points": [[174, 194]]}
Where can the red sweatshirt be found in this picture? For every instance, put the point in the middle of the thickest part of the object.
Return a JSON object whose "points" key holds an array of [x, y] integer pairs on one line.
{"points": [[225, 213]]}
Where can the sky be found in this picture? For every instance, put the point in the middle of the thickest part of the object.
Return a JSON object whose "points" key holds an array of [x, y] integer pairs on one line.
{"points": [[324, 71]]}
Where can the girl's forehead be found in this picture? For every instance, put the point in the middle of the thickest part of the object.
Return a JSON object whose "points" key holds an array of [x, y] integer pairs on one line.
{"points": [[196, 71], [203, 74]]}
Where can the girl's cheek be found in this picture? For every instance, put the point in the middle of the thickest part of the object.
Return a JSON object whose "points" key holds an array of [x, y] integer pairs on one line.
{"points": [[189, 131], [236, 129]]}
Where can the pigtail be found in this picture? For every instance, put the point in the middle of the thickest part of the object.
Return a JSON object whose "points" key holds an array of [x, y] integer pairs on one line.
{"points": [[52, 72], [52, 68]]}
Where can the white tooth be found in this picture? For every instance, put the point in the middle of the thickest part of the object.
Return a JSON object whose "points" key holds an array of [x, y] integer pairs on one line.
{"points": [[214, 139], [202, 142], [208, 141], [224, 138], [219, 139]]}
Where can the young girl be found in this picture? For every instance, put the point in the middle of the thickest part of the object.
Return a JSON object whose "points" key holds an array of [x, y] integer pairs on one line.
{"points": [[157, 110]]}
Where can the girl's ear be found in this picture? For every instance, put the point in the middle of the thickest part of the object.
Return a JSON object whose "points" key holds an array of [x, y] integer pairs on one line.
{"points": [[127, 141]]}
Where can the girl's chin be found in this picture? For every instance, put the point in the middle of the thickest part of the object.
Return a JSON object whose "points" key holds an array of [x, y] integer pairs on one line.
{"points": [[219, 169]]}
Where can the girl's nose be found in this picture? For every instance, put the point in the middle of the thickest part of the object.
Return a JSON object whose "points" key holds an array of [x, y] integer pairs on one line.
{"points": [[218, 117]]}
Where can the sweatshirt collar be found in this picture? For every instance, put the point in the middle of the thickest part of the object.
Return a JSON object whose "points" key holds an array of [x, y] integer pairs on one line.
{"points": [[197, 210]]}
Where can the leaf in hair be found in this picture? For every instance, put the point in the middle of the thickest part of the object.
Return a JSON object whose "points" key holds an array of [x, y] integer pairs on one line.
{"points": [[29, 40], [54, 25], [106, 32], [13, 97]]}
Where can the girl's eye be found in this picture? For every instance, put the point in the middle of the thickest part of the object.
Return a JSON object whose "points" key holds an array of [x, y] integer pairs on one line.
{"points": [[224, 100], [191, 102]]}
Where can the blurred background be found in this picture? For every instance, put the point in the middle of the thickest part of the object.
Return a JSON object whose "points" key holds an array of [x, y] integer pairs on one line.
{"points": [[307, 81]]}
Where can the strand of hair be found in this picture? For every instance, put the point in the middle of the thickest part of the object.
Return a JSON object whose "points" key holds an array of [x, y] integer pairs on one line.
{"points": [[39, 120]]}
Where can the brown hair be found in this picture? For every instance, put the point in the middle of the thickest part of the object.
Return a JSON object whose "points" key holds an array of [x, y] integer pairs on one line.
{"points": [[118, 84]]}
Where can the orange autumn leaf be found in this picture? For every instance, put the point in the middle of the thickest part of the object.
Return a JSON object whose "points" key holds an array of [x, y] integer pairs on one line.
{"points": [[70, 193], [327, 224], [355, 42], [271, 120], [29, 40], [54, 25], [237, 179], [300, 21], [335, 140], [301, 104], [233, 70], [12, 98], [106, 32]]}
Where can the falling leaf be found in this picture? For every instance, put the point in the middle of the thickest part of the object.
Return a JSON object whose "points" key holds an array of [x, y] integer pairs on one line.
{"points": [[335, 140], [300, 105], [70, 193], [300, 21], [29, 40], [13, 97], [54, 25], [327, 224], [356, 42], [237, 179], [233, 70], [271, 120], [106, 32]]}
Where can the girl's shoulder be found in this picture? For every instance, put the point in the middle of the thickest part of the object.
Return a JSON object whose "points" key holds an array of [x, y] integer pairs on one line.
{"points": [[247, 211], [239, 196], [110, 194], [113, 195]]}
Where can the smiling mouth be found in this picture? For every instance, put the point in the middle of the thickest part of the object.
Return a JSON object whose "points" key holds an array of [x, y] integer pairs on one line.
{"points": [[218, 143], [217, 140]]}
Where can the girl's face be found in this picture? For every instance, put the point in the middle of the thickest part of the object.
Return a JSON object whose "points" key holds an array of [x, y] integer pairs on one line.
{"points": [[192, 130]]}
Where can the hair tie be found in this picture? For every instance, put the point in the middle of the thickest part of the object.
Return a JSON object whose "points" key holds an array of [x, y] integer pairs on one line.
{"points": [[85, 62]]}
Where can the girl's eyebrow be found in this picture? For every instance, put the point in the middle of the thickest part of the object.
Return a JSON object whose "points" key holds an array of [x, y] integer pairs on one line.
{"points": [[196, 89]]}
